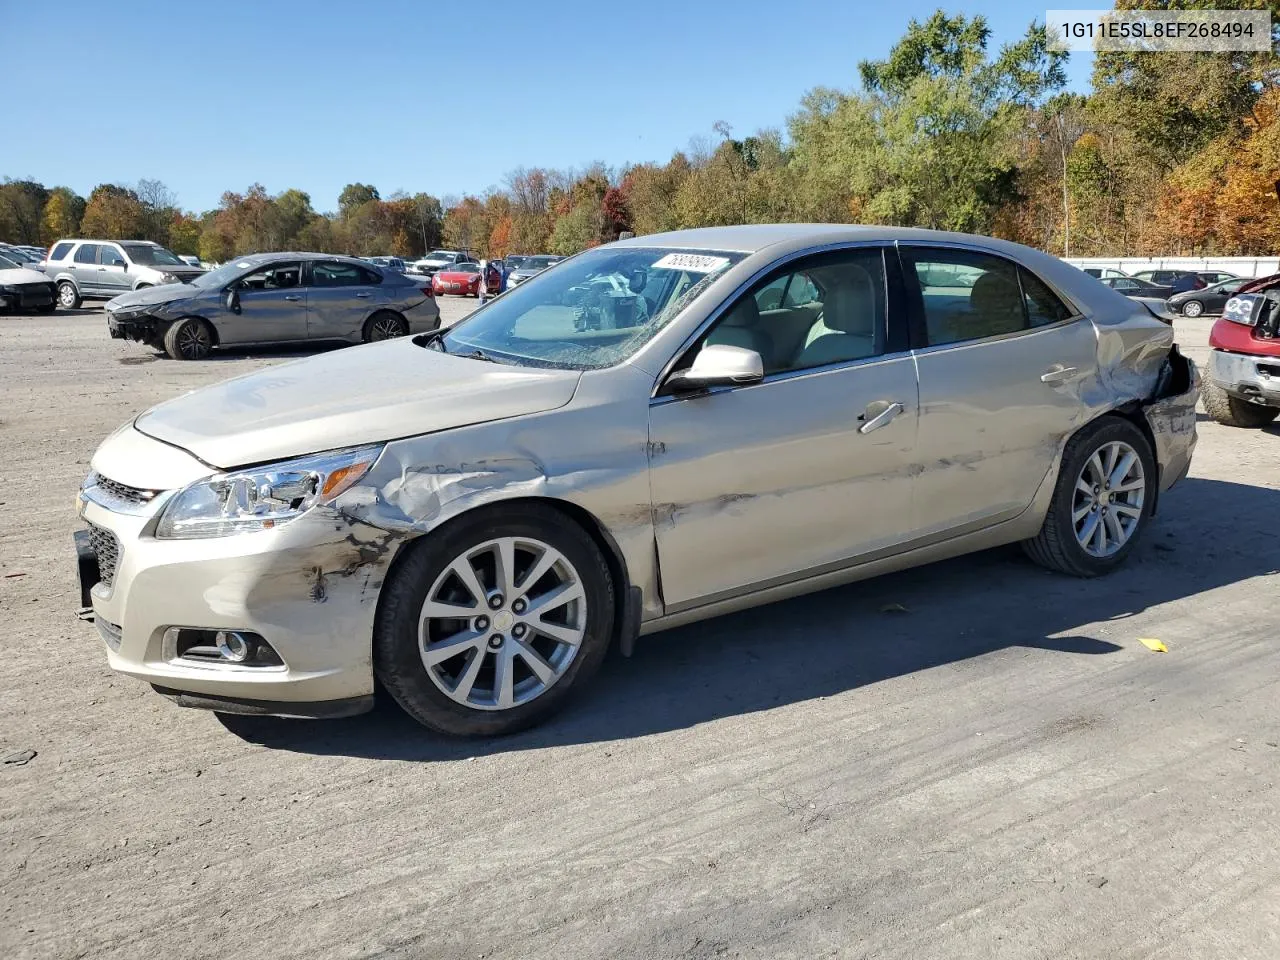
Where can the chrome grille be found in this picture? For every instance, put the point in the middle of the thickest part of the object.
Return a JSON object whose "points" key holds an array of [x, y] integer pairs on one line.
{"points": [[107, 547], [122, 492]]}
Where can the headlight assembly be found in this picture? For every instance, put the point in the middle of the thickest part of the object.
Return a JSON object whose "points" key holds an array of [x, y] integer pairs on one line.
{"points": [[261, 498]]}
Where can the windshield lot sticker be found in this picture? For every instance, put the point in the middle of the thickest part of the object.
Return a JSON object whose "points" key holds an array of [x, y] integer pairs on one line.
{"points": [[693, 262]]}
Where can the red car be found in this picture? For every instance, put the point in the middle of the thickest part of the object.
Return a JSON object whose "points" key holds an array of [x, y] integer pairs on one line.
{"points": [[1242, 386], [461, 278]]}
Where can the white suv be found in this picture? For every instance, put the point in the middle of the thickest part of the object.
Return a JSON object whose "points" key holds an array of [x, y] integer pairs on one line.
{"points": [[102, 269]]}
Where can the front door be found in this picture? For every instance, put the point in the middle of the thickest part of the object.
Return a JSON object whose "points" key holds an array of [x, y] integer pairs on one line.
{"points": [[273, 306], [341, 297], [805, 470], [1001, 360]]}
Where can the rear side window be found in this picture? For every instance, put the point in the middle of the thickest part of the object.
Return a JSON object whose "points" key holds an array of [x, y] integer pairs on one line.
{"points": [[87, 253], [971, 296], [60, 251], [343, 275], [1043, 305]]}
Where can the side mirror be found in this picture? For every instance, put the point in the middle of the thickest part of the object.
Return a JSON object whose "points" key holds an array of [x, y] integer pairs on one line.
{"points": [[233, 300], [117, 262], [717, 365]]}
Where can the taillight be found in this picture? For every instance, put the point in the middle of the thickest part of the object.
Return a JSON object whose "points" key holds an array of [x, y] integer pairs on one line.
{"points": [[428, 291]]}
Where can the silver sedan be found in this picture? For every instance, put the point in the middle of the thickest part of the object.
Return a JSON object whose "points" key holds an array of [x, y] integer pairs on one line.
{"points": [[275, 298], [647, 434]]}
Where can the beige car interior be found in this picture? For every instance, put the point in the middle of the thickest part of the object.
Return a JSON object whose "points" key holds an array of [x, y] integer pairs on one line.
{"points": [[838, 326]]}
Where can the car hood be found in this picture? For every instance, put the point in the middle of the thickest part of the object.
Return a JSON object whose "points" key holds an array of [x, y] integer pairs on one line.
{"points": [[152, 296], [358, 395], [22, 275]]}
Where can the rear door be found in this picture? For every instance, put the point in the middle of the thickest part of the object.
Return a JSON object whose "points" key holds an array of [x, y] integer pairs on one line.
{"points": [[1001, 360], [341, 298], [273, 306], [113, 270], [84, 267]]}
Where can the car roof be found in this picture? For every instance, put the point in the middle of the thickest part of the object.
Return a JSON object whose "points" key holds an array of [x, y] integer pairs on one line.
{"points": [[261, 258], [150, 243], [752, 238]]}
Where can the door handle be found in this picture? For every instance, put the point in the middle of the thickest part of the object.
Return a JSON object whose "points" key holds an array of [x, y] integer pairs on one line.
{"points": [[292, 298], [879, 413], [362, 296], [1057, 373]]}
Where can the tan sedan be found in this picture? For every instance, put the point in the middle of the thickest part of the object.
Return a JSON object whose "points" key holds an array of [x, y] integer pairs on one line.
{"points": [[647, 434]]}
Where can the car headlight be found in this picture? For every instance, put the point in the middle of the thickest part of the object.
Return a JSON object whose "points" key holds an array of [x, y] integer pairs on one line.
{"points": [[168, 278], [262, 498]]}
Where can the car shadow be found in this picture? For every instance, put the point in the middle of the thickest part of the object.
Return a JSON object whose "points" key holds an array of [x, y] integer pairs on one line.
{"points": [[852, 636]]}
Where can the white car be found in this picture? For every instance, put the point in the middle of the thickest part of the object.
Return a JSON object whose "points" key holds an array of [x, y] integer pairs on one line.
{"points": [[22, 288]]}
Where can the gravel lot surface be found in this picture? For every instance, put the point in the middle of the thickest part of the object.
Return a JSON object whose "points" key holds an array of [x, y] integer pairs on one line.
{"points": [[998, 768]]}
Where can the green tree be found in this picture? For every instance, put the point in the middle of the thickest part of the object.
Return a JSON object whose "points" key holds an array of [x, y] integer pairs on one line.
{"points": [[114, 213], [21, 210], [63, 212], [355, 195]]}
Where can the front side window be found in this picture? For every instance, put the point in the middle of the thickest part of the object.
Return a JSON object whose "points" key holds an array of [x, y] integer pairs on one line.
{"points": [[87, 253], [971, 296], [152, 256], [277, 276], [817, 311], [592, 311], [110, 256]]}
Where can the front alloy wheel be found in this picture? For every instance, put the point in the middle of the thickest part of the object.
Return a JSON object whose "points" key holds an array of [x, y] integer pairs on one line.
{"points": [[1192, 308], [502, 623], [487, 625]]}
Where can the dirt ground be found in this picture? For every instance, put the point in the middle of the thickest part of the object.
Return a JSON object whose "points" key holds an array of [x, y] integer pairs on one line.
{"points": [[998, 769]]}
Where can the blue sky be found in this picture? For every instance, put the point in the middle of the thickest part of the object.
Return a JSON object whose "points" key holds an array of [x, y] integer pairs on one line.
{"points": [[439, 97]]}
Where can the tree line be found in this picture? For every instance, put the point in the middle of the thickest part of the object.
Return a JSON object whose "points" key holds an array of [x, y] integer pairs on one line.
{"points": [[1169, 153]]}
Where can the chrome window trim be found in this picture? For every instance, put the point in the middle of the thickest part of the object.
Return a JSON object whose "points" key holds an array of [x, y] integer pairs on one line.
{"points": [[746, 285], [995, 338]]}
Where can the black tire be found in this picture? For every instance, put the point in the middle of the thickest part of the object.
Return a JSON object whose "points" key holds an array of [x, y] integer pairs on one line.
{"points": [[384, 325], [1192, 308], [1232, 411], [68, 296], [1055, 546], [188, 339], [397, 661]]}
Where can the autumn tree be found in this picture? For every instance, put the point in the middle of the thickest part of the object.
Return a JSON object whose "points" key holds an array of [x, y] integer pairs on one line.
{"points": [[62, 214], [114, 212], [21, 210]]}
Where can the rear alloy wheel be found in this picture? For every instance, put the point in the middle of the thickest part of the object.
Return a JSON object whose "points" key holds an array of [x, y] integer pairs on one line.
{"points": [[1232, 411], [1192, 308], [188, 339], [385, 326], [486, 629], [68, 296], [1102, 501]]}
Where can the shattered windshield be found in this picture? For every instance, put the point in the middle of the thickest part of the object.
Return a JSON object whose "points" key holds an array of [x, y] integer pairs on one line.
{"points": [[592, 311]]}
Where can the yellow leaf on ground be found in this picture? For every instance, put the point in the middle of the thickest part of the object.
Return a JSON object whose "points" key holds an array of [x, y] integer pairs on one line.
{"points": [[1154, 645]]}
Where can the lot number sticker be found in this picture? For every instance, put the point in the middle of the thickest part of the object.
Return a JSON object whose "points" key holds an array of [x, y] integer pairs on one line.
{"points": [[692, 262]]}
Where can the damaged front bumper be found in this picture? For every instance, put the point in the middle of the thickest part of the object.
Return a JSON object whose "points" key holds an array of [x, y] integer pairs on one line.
{"points": [[1171, 415], [141, 328]]}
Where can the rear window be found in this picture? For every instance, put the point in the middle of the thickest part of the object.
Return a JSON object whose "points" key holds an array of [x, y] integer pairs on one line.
{"points": [[60, 251]]}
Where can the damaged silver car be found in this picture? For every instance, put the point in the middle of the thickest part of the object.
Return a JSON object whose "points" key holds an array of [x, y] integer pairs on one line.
{"points": [[647, 434]]}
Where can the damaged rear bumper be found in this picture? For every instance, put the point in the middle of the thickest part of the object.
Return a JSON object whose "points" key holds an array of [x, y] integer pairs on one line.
{"points": [[1171, 415]]}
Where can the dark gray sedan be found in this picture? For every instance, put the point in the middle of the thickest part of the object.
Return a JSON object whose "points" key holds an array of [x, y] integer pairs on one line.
{"points": [[275, 298]]}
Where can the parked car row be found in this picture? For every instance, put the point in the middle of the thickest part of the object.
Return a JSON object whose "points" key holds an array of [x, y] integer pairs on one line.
{"points": [[1191, 293]]}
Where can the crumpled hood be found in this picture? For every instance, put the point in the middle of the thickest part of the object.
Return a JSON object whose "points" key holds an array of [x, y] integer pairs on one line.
{"points": [[152, 296], [347, 397]]}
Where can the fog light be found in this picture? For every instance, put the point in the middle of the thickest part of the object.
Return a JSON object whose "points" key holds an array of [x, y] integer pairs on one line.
{"points": [[212, 646], [232, 646]]}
